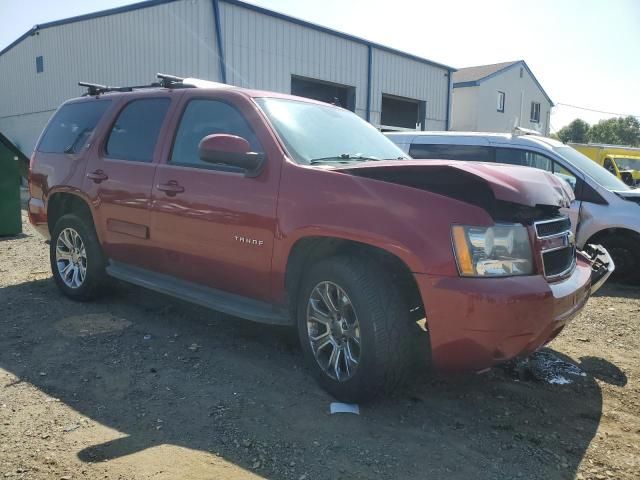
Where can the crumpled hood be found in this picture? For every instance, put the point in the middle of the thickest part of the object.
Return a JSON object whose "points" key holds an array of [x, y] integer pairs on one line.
{"points": [[509, 183]]}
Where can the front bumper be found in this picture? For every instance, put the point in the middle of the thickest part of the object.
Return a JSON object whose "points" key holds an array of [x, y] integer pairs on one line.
{"points": [[475, 323], [602, 265]]}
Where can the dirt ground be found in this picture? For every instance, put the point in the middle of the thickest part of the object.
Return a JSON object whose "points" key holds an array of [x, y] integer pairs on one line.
{"points": [[140, 386]]}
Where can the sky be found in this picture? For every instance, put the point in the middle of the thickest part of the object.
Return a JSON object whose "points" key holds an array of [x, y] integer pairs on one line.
{"points": [[585, 53]]}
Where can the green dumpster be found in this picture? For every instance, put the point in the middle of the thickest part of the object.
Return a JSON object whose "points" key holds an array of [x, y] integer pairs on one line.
{"points": [[12, 165]]}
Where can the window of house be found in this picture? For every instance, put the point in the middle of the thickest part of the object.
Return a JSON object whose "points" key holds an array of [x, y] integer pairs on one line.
{"points": [[135, 132], [501, 97], [39, 64], [204, 117], [521, 71], [72, 125], [535, 112]]}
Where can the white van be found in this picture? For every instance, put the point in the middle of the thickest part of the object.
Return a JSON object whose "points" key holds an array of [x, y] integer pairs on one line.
{"points": [[606, 211]]}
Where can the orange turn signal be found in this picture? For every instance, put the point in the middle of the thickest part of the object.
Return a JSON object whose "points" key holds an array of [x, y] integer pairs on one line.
{"points": [[463, 251]]}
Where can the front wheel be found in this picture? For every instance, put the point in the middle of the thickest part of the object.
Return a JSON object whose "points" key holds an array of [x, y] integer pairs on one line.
{"points": [[625, 252], [353, 325], [77, 261]]}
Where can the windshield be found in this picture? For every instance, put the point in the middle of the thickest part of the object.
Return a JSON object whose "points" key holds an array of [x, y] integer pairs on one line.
{"points": [[628, 163], [591, 168], [315, 133]]}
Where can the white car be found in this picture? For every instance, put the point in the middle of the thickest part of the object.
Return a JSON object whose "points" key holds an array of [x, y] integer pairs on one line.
{"points": [[606, 211]]}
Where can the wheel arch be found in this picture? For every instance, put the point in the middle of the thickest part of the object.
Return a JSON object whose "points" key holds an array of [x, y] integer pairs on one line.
{"points": [[309, 250], [60, 203], [613, 231]]}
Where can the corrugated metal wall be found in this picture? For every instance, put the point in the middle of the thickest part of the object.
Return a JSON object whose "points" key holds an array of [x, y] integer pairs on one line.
{"points": [[122, 49], [261, 51], [405, 77]]}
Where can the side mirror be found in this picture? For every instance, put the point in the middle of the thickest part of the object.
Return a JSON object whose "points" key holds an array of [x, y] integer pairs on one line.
{"points": [[229, 150]]}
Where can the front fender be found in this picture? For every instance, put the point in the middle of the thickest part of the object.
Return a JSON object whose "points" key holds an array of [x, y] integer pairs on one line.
{"points": [[410, 223]]}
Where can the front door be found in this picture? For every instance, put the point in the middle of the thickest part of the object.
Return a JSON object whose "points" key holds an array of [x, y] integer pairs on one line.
{"points": [[211, 224], [119, 177], [528, 158]]}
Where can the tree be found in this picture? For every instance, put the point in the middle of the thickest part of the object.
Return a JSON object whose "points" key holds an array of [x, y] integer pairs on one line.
{"points": [[576, 132], [618, 131]]}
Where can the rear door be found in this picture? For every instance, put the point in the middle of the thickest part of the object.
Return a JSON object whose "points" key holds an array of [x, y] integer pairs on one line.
{"points": [[211, 224], [120, 174]]}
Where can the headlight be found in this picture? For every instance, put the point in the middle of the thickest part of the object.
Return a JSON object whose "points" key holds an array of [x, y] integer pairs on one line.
{"points": [[498, 251]]}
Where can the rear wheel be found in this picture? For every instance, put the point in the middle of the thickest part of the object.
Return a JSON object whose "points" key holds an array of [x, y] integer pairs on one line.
{"points": [[353, 325], [625, 252], [77, 261]]}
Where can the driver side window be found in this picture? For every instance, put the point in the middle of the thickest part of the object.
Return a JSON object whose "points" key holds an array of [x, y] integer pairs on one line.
{"points": [[204, 117], [525, 158], [608, 164]]}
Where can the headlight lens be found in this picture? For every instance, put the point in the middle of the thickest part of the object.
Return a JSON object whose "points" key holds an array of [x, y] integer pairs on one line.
{"points": [[498, 251]]}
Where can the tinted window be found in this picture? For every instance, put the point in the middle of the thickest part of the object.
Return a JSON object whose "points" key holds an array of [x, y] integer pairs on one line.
{"points": [[71, 126], [208, 117], [474, 153], [525, 158], [135, 132]]}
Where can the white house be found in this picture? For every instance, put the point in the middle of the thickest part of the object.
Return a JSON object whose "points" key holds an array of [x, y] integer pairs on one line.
{"points": [[495, 98]]}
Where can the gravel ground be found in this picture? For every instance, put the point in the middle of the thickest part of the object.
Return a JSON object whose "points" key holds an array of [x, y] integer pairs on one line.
{"points": [[139, 386]]}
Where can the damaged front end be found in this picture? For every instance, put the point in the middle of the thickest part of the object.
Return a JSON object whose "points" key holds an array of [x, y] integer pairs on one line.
{"points": [[602, 265]]}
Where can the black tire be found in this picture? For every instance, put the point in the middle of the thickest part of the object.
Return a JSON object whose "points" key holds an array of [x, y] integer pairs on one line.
{"points": [[95, 277], [625, 252], [384, 321]]}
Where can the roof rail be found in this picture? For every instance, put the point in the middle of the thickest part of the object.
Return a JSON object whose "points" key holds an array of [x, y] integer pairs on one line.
{"points": [[164, 81], [94, 89], [171, 81]]}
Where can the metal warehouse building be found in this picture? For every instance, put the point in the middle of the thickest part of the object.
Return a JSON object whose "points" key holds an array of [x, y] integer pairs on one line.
{"points": [[222, 40]]}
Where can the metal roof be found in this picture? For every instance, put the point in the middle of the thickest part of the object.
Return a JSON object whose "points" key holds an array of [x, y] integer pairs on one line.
{"points": [[474, 76], [271, 13]]}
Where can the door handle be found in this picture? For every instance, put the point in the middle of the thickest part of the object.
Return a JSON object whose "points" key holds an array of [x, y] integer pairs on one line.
{"points": [[97, 176], [171, 188]]}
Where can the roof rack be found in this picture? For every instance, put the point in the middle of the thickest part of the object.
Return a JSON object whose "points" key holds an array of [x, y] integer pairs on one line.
{"points": [[519, 131], [164, 81]]}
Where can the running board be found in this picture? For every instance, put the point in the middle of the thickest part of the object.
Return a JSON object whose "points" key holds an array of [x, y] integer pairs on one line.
{"points": [[228, 303]]}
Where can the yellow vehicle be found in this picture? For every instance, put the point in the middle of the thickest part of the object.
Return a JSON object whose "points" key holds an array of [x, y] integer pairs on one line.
{"points": [[623, 162]]}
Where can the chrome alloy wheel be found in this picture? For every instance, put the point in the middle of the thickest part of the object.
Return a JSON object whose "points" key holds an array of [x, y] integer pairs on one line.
{"points": [[71, 258], [333, 331]]}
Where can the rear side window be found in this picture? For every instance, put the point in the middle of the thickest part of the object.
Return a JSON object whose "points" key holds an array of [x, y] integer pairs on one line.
{"points": [[473, 153], [71, 127], [208, 117], [135, 132]]}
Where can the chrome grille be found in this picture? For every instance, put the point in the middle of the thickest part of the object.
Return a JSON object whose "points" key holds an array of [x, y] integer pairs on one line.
{"points": [[558, 262], [549, 228], [557, 246]]}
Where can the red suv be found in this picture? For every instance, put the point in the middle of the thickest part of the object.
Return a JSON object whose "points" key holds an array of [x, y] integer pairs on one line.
{"points": [[288, 211]]}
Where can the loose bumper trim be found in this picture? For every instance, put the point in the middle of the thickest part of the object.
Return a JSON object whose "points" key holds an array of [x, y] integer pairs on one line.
{"points": [[602, 265]]}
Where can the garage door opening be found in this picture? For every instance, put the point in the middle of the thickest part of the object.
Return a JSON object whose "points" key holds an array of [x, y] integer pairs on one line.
{"points": [[342, 95], [400, 113]]}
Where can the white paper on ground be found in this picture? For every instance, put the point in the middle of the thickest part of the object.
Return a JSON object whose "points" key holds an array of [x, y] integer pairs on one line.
{"points": [[338, 407]]}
